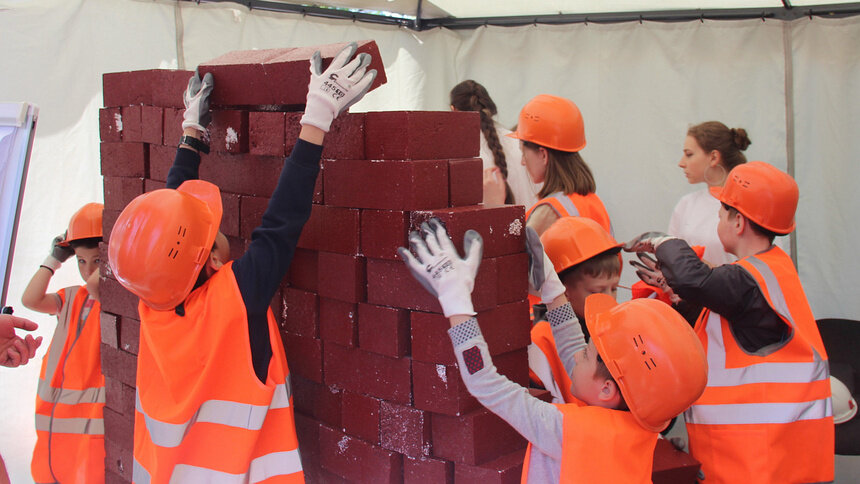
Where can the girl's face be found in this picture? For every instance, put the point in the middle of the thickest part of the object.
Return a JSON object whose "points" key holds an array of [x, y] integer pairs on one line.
{"points": [[535, 161], [694, 161]]}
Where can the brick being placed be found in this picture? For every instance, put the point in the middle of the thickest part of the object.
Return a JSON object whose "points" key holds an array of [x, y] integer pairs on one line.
{"points": [[475, 438], [276, 79], [357, 460], [502, 228], [421, 135], [384, 184]]}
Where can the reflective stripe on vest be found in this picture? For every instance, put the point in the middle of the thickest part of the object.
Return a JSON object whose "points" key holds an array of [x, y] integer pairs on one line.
{"points": [[567, 203], [261, 468], [760, 373], [86, 426], [70, 397], [222, 412]]}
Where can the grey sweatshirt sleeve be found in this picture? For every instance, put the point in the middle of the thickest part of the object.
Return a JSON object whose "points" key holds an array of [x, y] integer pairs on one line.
{"points": [[567, 332], [538, 421]]}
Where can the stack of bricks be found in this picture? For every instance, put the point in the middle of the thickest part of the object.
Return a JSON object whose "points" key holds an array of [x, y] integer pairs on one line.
{"points": [[377, 393]]}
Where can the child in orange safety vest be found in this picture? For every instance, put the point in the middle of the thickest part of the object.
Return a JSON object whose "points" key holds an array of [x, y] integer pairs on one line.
{"points": [[214, 402], [71, 393], [766, 414], [624, 383]]}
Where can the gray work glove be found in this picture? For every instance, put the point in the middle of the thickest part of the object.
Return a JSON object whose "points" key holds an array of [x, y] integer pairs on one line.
{"points": [[647, 242], [59, 253], [196, 100], [543, 280], [649, 272], [440, 269]]}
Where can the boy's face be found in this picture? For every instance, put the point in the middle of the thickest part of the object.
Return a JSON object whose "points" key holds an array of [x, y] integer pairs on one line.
{"points": [[584, 383], [725, 230], [580, 286], [88, 261]]}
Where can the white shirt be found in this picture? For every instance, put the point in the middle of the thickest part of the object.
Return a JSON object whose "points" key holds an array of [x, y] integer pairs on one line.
{"points": [[525, 192], [695, 220]]}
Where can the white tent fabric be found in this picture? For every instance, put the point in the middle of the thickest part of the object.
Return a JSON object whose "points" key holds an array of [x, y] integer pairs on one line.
{"points": [[793, 85]]}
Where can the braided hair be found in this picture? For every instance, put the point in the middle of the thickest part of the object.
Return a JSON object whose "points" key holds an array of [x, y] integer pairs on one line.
{"points": [[472, 96]]}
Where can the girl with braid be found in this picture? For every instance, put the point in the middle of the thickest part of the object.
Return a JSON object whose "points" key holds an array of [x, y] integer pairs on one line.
{"points": [[505, 178]]}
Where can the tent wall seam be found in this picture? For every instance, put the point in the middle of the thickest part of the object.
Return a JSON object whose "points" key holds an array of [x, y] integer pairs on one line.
{"points": [[787, 46], [180, 35]]}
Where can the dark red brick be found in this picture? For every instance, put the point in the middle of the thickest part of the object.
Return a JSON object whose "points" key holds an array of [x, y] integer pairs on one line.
{"points": [[292, 128], [266, 133], [132, 124], [383, 330], [108, 220], [301, 312], [110, 124], [152, 124], [506, 469], [368, 373], [119, 397], [421, 135], [231, 214], [304, 356], [155, 87], [393, 185], [465, 439], [244, 174], [332, 229], [389, 283], [308, 433], [118, 191], [119, 365], [160, 160], [422, 470], [513, 280], [465, 182], [129, 335], [322, 402], [544, 395], [229, 131], [304, 270], [251, 214], [342, 277], [152, 185], [361, 416], [109, 325], [338, 322], [345, 138], [357, 460], [118, 461], [502, 228], [672, 465], [430, 340], [172, 126], [382, 232], [404, 429], [274, 76], [117, 299], [124, 159]]}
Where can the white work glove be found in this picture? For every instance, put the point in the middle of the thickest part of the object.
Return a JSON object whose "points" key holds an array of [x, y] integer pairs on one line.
{"points": [[543, 281], [59, 253], [196, 100], [439, 268], [649, 272], [339, 87], [647, 242]]}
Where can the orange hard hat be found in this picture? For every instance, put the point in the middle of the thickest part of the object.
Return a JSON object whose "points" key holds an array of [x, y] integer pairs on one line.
{"points": [[571, 240], [162, 240], [86, 223], [552, 122], [653, 354], [762, 193]]}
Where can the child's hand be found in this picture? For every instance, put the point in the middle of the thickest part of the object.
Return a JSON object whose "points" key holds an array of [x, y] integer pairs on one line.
{"points": [[649, 272], [494, 187], [196, 101], [59, 251], [341, 85], [647, 242], [543, 280], [439, 268]]}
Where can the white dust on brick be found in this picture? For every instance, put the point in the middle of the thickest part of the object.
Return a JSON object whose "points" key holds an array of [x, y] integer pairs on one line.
{"points": [[443, 374], [284, 314], [343, 444], [231, 139], [117, 119], [515, 227]]}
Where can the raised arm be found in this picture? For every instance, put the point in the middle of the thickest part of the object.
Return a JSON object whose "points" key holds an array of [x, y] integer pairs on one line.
{"points": [[36, 295]]}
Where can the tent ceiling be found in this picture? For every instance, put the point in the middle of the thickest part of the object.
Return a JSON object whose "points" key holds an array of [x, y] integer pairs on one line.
{"points": [[422, 14]]}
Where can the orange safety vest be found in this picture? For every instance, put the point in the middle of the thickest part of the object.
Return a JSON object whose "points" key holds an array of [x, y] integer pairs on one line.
{"points": [[71, 396], [765, 417], [599, 444], [576, 205], [202, 415]]}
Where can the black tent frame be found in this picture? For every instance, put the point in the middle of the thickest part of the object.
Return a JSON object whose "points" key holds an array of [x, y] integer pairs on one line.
{"points": [[418, 23]]}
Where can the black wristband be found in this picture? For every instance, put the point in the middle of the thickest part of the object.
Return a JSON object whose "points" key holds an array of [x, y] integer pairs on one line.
{"points": [[46, 267], [195, 143]]}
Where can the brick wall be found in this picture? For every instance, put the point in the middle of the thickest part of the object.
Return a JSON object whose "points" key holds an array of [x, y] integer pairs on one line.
{"points": [[377, 394]]}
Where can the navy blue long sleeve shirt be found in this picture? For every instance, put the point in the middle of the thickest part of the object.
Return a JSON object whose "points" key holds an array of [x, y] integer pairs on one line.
{"points": [[260, 269]]}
